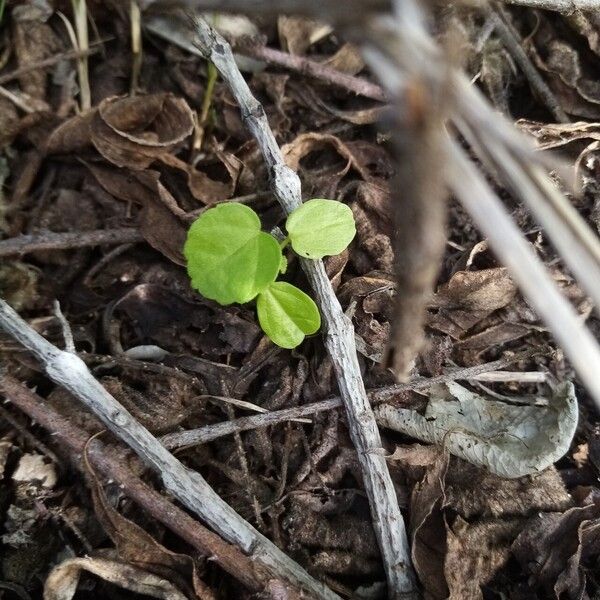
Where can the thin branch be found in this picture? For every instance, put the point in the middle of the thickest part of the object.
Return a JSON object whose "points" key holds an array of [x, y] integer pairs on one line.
{"points": [[169, 28], [339, 334], [206, 434], [314, 69], [387, 393], [348, 10], [110, 464], [187, 486], [209, 433], [510, 38], [50, 240]]}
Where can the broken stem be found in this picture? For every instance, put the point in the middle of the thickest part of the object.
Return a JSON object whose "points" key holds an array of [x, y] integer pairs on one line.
{"points": [[136, 45]]}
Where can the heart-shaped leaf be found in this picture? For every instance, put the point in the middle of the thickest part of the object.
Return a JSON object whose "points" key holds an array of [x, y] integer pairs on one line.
{"points": [[321, 228], [287, 314], [229, 259]]}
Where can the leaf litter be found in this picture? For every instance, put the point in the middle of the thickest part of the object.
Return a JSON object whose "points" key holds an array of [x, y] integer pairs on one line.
{"points": [[504, 500]]}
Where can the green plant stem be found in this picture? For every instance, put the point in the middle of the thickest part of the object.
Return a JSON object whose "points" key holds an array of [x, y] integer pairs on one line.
{"points": [[284, 242], [81, 28]]}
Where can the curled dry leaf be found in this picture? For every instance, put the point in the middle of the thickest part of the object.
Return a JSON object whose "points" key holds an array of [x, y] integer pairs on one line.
{"points": [[306, 143], [510, 440], [297, 34], [128, 132], [62, 581], [201, 186], [133, 132], [162, 220]]}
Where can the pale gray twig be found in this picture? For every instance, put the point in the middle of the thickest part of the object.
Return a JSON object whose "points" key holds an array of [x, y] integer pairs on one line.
{"points": [[339, 334], [189, 487], [206, 434]]}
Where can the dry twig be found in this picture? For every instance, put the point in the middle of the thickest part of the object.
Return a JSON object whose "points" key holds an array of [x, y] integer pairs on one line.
{"points": [[50, 240], [206, 434], [510, 38], [339, 334], [512, 156]]}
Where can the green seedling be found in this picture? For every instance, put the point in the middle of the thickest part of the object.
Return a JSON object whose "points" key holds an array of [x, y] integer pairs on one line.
{"points": [[229, 260]]}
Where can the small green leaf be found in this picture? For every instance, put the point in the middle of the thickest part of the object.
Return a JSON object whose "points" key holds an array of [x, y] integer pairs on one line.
{"points": [[287, 314], [321, 228], [229, 259]]}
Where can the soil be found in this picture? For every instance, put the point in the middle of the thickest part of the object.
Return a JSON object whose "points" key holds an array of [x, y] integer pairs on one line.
{"points": [[140, 168]]}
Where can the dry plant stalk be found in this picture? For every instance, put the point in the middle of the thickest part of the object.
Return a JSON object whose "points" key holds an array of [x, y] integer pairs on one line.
{"points": [[339, 332], [394, 42], [135, 16], [81, 31]]}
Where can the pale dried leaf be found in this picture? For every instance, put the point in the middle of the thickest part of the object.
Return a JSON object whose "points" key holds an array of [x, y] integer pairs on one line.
{"points": [[62, 581], [510, 440]]}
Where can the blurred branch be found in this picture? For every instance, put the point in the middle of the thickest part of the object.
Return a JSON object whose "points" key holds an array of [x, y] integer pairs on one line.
{"points": [[562, 6]]}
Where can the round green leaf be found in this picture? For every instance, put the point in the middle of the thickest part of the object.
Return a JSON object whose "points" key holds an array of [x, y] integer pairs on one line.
{"points": [[287, 314], [321, 228], [229, 259]]}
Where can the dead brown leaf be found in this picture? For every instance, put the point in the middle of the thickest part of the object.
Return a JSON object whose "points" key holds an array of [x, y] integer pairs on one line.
{"points": [[555, 549], [457, 509], [133, 132], [475, 553], [129, 132], [469, 297], [201, 186], [347, 60], [162, 221], [136, 547], [297, 34]]}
